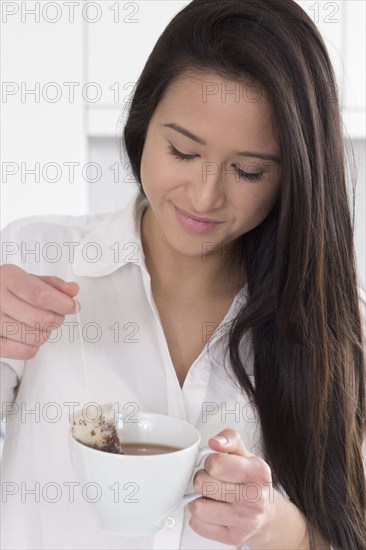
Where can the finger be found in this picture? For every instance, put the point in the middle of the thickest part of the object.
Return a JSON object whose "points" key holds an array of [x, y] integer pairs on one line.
{"points": [[220, 513], [241, 493], [10, 329], [229, 441], [237, 468], [220, 533], [70, 288], [23, 312], [16, 350], [41, 295]]}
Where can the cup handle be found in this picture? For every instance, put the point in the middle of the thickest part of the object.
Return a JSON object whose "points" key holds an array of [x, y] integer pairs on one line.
{"points": [[205, 451]]}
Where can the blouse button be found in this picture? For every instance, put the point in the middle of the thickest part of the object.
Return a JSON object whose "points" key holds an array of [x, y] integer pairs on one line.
{"points": [[170, 522]]}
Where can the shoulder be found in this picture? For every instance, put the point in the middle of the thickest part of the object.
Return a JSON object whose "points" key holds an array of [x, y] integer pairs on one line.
{"points": [[43, 243], [43, 228]]}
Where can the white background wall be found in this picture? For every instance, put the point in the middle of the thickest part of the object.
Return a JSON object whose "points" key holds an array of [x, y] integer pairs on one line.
{"points": [[83, 59]]}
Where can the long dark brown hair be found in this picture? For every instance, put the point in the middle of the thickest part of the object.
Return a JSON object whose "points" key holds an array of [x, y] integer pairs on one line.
{"points": [[303, 310]]}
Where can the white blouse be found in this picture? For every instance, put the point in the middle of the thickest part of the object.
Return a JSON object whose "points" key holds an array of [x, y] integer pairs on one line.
{"points": [[128, 362]]}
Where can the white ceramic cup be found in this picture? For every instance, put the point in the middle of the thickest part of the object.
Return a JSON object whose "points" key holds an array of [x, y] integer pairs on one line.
{"points": [[137, 493]]}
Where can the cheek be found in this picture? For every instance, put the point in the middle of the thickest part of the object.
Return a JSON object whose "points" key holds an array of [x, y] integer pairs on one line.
{"points": [[265, 203], [256, 204], [159, 172]]}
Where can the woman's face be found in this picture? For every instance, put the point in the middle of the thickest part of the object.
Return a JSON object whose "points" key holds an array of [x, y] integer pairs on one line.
{"points": [[216, 182]]}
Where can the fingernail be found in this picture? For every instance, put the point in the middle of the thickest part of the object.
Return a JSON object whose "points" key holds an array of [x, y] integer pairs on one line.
{"points": [[77, 306], [223, 440]]}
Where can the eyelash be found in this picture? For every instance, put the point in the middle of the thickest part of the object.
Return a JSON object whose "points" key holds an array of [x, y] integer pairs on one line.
{"points": [[243, 175]]}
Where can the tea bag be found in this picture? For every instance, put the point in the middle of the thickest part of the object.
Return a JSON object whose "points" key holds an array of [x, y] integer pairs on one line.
{"points": [[98, 433]]}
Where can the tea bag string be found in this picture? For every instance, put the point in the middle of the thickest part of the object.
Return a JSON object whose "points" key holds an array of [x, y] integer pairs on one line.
{"points": [[85, 370]]}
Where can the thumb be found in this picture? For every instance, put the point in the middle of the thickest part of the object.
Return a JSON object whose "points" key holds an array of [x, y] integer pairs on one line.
{"points": [[229, 441], [71, 289]]}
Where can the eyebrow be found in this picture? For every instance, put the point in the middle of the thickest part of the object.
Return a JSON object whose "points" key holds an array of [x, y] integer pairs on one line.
{"points": [[188, 134]]}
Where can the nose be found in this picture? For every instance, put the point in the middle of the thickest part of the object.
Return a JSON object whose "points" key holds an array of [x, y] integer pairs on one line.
{"points": [[208, 191]]}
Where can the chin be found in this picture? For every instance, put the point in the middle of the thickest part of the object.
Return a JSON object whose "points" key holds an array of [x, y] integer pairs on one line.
{"points": [[186, 248]]}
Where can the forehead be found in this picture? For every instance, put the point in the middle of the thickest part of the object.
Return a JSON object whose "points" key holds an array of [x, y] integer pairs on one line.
{"points": [[220, 110]]}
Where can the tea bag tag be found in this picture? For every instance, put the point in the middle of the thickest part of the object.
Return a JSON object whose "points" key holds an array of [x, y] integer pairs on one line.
{"points": [[85, 370]]}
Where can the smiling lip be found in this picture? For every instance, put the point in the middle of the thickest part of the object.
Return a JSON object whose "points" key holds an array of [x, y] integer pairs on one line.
{"points": [[195, 217], [192, 225]]}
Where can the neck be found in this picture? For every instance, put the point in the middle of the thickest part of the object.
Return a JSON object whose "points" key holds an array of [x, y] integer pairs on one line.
{"points": [[196, 277]]}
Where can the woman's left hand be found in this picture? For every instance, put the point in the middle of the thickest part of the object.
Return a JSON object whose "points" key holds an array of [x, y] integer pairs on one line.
{"points": [[237, 495]]}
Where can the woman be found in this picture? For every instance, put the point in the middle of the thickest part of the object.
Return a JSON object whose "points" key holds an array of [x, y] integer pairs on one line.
{"points": [[234, 137], [303, 305]]}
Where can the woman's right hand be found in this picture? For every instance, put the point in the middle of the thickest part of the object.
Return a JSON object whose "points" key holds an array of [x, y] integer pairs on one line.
{"points": [[31, 307]]}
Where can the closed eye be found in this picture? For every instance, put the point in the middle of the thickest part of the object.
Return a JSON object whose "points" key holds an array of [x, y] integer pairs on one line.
{"points": [[243, 175]]}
